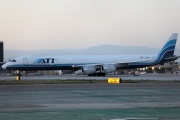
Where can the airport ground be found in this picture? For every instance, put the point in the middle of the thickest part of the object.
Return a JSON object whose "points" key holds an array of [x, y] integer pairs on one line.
{"points": [[153, 101], [99, 101], [164, 77]]}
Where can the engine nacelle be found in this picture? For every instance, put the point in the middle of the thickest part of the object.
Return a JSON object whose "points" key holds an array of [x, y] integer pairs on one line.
{"points": [[67, 71], [87, 70], [108, 68]]}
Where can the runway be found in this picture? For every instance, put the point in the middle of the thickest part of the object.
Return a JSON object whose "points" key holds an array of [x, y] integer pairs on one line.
{"points": [[152, 101], [163, 77]]}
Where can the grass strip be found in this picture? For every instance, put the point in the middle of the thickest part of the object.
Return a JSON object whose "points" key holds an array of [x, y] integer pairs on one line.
{"points": [[8, 82]]}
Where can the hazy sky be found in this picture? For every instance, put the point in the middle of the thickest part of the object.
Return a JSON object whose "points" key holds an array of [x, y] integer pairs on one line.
{"points": [[59, 24]]}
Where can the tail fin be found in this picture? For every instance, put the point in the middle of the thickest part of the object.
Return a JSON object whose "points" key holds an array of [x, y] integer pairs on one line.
{"points": [[168, 48]]}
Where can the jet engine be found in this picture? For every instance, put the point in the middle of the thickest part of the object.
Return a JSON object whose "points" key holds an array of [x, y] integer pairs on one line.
{"points": [[108, 68], [87, 70]]}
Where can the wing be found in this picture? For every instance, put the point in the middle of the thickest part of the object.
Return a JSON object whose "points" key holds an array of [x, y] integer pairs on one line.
{"points": [[118, 64]]}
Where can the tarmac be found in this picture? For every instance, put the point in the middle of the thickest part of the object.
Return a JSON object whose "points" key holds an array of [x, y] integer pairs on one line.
{"points": [[163, 77], [99, 101]]}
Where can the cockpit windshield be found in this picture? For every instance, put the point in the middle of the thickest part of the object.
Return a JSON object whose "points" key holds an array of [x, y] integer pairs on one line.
{"points": [[12, 60]]}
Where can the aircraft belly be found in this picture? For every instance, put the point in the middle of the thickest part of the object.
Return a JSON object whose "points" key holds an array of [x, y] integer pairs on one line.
{"points": [[32, 67]]}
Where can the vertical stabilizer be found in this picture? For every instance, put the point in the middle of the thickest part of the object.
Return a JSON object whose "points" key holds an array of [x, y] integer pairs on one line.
{"points": [[168, 48]]}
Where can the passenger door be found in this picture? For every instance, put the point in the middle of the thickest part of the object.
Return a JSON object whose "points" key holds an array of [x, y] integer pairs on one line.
{"points": [[25, 61]]}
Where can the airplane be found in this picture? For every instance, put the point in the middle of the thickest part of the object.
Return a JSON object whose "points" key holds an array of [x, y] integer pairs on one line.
{"points": [[94, 65]]}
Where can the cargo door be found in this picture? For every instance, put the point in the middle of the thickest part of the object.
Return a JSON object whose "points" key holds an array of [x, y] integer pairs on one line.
{"points": [[25, 61]]}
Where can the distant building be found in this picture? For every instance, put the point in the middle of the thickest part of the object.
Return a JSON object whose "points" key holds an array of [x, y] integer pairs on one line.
{"points": [[1, 52], [1, 55]]}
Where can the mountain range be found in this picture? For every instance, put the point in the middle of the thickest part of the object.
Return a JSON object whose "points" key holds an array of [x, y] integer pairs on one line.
{"points": [[95, 50]]}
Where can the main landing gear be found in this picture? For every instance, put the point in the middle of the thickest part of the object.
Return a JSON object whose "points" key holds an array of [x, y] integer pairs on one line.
{"points": [[97, 74]]}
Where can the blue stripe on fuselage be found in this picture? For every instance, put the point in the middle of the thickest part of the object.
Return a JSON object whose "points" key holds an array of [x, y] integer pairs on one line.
{"points": [[171, 42], [162, 54]]}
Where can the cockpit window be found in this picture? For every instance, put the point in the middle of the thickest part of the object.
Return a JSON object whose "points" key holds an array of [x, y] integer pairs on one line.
{"points": [[12, 60]]}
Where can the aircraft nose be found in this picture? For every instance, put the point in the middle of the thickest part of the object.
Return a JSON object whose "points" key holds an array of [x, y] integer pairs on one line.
{"points": [[4, 66]]}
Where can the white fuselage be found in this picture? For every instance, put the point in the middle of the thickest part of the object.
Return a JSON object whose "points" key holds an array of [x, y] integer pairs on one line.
{"points": [[94, 64], [78, 60]]}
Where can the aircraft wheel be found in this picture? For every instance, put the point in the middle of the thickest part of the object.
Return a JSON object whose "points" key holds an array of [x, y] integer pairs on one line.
{"points": [[99, 74], [103, 74], [94, 74]]}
